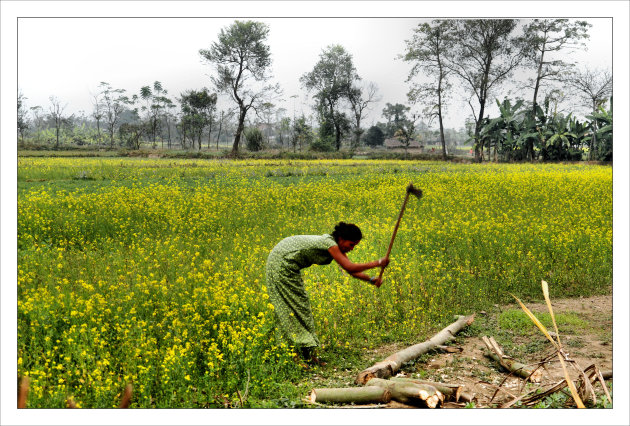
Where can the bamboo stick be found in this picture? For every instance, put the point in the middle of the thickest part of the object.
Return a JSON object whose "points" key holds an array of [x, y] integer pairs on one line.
{"points": [[390, 365], [513, 366]]}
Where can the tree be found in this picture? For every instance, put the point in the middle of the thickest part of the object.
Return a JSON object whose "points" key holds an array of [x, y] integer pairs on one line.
{"points": [[542, 38], [39, 119], [360, 98], [396, 116], [302, 133], [240, 56], [56, 115], [22, 116], [374, 137], [484, 57], [429, 51], [114, 104], [331, 79], [595, 87], [197, 110], [98, 115]]}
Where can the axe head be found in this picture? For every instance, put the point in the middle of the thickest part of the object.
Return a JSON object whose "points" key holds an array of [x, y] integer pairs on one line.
{"points": [[413, 190]]}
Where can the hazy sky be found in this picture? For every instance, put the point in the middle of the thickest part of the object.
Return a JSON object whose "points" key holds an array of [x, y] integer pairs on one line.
{"points": [[69, 57]]}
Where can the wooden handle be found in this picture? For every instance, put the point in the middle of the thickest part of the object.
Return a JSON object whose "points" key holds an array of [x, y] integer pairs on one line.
{"points": [[391, 242]]}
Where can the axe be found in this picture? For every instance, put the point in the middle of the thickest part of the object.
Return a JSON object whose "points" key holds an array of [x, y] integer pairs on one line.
{"points": [[410, 190]]}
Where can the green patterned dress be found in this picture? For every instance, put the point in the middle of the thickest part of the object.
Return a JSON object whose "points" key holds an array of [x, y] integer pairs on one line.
{"points": [[286, 288]]}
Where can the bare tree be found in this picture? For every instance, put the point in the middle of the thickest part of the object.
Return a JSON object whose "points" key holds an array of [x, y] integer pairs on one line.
{"points": [[360, 98], [595, 88], [56, 114], [22, 116], [429, 50], [593, 85]]}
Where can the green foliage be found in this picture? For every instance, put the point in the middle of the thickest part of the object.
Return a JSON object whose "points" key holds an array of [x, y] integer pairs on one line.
{"points": [[602, 121], [323, 144], [254, 139], [374, 137]]}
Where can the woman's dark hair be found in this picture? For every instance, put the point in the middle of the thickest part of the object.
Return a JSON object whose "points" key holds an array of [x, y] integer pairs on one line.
{"points": [[347, 231]]}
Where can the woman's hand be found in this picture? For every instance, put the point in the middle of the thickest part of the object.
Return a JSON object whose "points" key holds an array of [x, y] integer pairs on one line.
{"points": [[383, 262], [376, 281]]}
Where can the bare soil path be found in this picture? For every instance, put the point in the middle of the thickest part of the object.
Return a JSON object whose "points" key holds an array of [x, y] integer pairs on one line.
{"points": [[587, 338]]}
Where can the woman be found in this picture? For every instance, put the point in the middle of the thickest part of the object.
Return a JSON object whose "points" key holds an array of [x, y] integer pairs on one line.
{"points": [[286, 288]]}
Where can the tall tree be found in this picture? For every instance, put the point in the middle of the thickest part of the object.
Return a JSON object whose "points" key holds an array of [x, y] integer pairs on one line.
{"points": [[485, 56], [97, 114], [396, 116], [243, 61], [541, 39], [22, 116], [56, 115], [332, 79], [197, 109], [114, 104], [595, 88], [429, 51], [360, 98]]}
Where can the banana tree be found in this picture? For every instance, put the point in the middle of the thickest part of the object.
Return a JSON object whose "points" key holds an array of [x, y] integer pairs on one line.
{"points": [[602, 127]]}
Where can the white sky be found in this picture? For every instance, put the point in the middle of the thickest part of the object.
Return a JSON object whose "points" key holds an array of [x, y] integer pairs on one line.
{"points": [[69, 57]]}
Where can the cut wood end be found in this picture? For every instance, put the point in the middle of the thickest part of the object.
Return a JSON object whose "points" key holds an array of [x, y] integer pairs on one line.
{"points": [[433, 401], [313, 397], [536, 377]]}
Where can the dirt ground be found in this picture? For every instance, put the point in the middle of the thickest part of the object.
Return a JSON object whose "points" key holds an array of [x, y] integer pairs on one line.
{"points": [[481, 377]]}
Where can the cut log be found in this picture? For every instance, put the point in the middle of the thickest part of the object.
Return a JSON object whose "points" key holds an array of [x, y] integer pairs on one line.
{"points": [[390, 365], [519, 369], [511, 365], [410, 393], [363, 395], [450, 392]]}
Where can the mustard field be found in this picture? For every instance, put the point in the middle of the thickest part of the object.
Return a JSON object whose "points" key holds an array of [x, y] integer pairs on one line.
{"points": [[151, 271]]}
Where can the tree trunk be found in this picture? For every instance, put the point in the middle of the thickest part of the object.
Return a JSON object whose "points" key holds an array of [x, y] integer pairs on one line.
{"points": [[450, 392], [239, 130], [363, 395], [411, 393], [390, 365]]}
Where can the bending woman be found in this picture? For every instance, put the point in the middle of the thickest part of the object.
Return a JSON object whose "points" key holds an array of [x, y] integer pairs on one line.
{"points": [[286, 288]]}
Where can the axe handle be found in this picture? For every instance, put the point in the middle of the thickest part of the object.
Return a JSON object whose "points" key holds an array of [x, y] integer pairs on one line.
{"points": [[391, 242]]}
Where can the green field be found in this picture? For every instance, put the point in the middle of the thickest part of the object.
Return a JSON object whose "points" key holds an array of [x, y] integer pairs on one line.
{"points": [[151, 271]]}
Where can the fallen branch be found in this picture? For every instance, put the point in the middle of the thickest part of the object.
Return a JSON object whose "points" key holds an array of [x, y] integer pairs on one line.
{"points": [[363, 395], [452, 393], [390, 365], [513, 366], [410, 393]]}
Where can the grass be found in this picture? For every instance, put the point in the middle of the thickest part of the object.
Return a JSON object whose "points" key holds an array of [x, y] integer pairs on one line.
{"points": [[519, 323], [151, 271]]}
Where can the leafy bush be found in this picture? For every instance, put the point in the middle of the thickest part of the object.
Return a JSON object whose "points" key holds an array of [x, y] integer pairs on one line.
{"points": [[253, 139], [323, 144]]}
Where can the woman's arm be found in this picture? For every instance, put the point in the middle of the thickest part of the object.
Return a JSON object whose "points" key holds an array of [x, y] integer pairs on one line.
{"points": [[353, 268], [365, 277]]}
